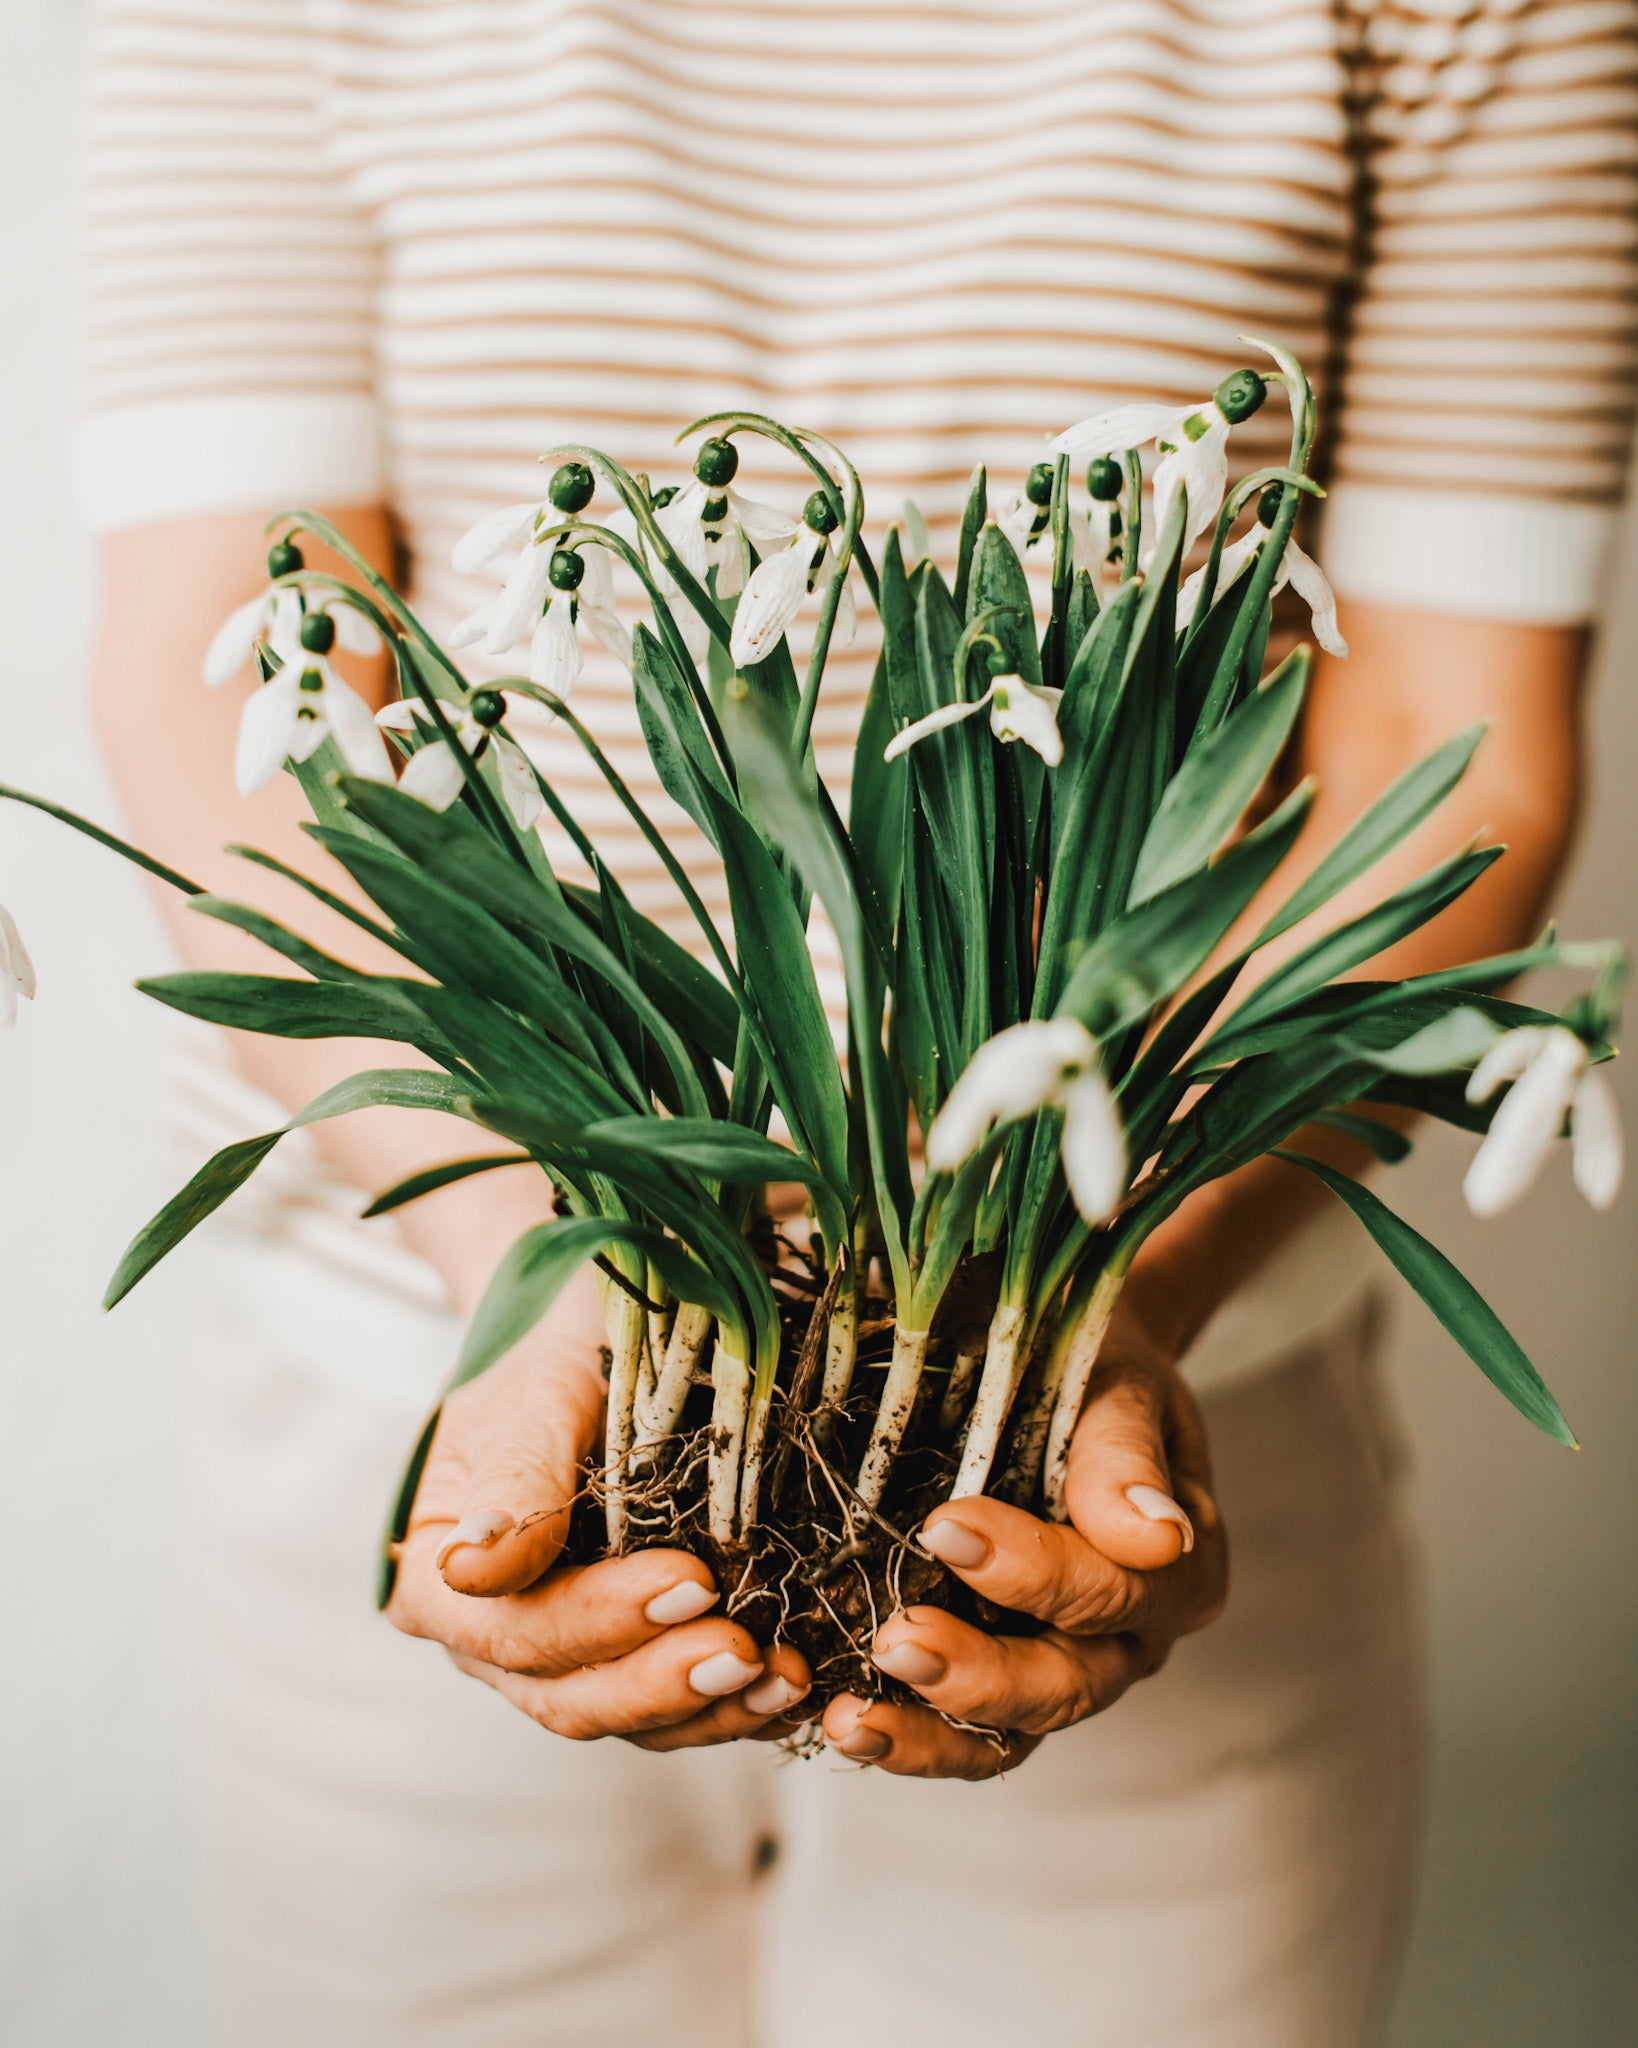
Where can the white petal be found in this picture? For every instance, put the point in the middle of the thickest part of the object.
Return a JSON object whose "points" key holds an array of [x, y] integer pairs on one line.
{"points": [[1526, 1126], [518, 784], [493, 535], [1111, 433], [1597, 1149], [917, 543], [762, 523], [469, 631], [692, 630], [1016, 1072], [733, 561], [772, 599], [1231, 566], [1313, 586], [399, 716], [1094, 1147], [16, 969], [846, 628], [680, 523], [236, 639], [554, 652], [434, 776], [1020, 712], [355, 633], [353, 729], [1202, 468], [518, 606], [935, 721], [267, 728], [1016, 519], [1505, 1061], [611, 630]]}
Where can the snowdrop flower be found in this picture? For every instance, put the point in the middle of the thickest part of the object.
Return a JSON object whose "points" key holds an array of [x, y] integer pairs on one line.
{"points": [[1192, 442], [1018, 711], [434, 774], [527, 598], [1300, 570], [1025, 518], [16, 969], [773, 595], [300, 706], [713, 527], [1552, 1079], [917, 541], [1049, 1064], [275, 616], [1098, 535]]}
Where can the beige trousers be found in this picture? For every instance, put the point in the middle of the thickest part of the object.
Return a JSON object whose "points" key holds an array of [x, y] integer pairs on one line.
{"points": [[397, 1859]]}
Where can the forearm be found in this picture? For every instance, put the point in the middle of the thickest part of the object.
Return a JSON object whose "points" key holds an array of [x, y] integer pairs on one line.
{"points": [[1411, 682]]}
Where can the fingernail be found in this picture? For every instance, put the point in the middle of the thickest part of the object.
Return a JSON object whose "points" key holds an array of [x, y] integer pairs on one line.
{"points": [[865, 1745], [680, 1602], [774, 1695], [952, 1542], [910, 1662], [481, 1528], [723, 1673], [1155, 1506]]}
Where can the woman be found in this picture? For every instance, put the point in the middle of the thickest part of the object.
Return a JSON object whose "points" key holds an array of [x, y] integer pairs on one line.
{"points": [[375, 258]]}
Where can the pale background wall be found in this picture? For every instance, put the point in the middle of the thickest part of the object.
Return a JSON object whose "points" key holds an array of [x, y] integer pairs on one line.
{"points": [[1524, 1929]]}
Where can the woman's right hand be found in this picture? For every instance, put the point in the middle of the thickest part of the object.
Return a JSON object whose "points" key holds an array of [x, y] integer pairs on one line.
{"points": [[624, 1647]]}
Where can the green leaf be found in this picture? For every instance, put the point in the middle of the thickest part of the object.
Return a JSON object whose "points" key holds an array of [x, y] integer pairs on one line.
{"points": [[999, 582], [678, 743], [1453, 1299], [531, 1275], [281, 1007], [229, 1169], [1396, 813], [277, 937], [704, 1008], [714, 1148], [428, 1182], [876, 800], [1390, 1146], [973, 516], [1220, 776]]}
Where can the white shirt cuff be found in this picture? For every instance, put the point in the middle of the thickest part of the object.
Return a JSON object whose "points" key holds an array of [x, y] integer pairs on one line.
{"points": [[1535, 561], [189, 457]]}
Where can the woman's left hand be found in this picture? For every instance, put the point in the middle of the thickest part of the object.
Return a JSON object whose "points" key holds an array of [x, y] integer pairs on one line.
{"points": [[1141, 1561]]}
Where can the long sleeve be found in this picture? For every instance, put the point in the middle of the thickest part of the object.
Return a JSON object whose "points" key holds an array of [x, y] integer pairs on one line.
{"points": [[1490, 355], [228, 277]]}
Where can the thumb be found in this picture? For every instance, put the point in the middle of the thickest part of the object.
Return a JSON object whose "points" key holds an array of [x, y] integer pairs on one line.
{"points": [[1119, 1486], [529, 1427]]}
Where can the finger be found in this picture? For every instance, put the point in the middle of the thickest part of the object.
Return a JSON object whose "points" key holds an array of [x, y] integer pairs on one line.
{"points": [[523, 1433], [1119, 1485], [914, 1742], [578, 1614], [767, 1705], [1026, 1684], [1047, 1569], [664, 1682]]}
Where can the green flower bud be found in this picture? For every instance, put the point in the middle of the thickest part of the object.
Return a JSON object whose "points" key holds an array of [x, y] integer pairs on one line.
{"points": [[1038, 484], [284, 559], [318, 632], [571, 487], [488, 707], [1239, 396], [717, 464], [819, 515], [1105, 479], [663, 497], [1268, 505], [565, 570]]}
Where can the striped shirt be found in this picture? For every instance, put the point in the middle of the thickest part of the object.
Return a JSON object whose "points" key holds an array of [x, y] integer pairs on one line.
{"points": [[343, 251]]}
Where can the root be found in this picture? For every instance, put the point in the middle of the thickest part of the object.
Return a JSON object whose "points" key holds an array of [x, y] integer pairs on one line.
{"points": [[627, 1330], [731, 1381], [689, 1329], [959, 1390], [841, 1348]]}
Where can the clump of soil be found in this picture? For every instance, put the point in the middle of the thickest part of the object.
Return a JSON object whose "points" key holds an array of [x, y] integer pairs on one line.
{"points": [[820, 1570]]}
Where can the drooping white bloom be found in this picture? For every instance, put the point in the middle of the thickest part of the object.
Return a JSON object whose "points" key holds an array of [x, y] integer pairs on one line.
{"points": [[434, 775], [1552, 1079], [776, 587], [289, 718], [1052, 1063], [527, 593], [1018, 711], [1096, 540], [1192, 442], [716, 528], [16, 969], [275, 616], [1297, 568]]}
